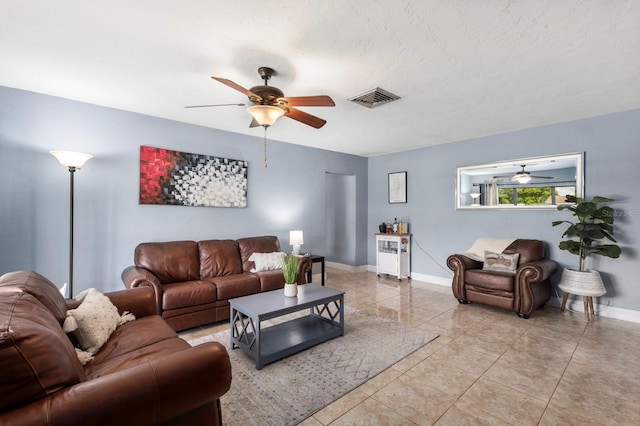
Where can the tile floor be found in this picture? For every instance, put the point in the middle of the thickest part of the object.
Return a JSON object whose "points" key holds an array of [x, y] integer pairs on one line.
{"points": [[489, 367]]}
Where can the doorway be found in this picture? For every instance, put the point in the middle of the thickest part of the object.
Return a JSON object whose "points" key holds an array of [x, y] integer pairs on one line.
{"points": [[340, 213]]}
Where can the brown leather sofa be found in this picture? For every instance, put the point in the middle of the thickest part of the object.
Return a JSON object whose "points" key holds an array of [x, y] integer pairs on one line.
{"points": [[523, 292], [193, 281], [143, 375]]}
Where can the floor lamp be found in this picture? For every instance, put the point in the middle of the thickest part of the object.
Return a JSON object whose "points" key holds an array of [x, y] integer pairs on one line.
{"points": [[73, 161]]}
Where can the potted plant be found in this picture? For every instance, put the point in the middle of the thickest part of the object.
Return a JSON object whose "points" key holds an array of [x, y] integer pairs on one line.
{"points": [[290, 272], [593, 224]]}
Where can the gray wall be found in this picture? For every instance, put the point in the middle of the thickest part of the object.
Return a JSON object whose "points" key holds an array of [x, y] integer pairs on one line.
{"points": [[612, 150], [109, 222]]}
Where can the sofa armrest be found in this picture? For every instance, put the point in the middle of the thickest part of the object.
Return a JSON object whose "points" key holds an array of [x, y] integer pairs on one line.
{"points": [[459, 263], [155, 392], [135, 277], [140, 301], [532, 287], [304, 265], [536, 271]]}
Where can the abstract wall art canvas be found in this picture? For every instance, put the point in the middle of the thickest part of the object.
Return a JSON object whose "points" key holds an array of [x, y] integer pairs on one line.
{"points": [[184, 179]]}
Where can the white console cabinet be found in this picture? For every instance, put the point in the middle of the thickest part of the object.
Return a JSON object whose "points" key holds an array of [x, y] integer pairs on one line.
{"points": [[393, 255]]}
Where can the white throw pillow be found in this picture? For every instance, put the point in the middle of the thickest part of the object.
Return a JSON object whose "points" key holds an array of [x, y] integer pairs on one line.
{"points": [[267, 261], [93, 322]]}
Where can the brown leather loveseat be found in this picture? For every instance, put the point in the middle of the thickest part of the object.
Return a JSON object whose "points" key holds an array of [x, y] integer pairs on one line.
{"points": [[143, 375], [193, 281], [522, 291]]}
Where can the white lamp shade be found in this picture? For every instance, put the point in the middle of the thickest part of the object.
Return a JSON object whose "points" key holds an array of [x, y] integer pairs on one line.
{"points": [[296, 237], [265, 115], [70, 158]]}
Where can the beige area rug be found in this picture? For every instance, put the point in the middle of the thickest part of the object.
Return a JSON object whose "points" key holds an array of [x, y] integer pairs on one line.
{"points": [[288, 391]]}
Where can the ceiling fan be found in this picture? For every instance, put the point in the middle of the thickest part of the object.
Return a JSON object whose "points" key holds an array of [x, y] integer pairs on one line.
{"points": [[522, 176], [268, 103]]}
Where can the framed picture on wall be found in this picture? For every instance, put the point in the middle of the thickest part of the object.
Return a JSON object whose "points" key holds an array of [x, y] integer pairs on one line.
{"points": [[397, 187], [185, 179]]}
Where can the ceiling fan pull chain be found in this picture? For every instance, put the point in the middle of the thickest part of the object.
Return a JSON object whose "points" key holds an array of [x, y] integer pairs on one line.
{"points": [[265, 147]]}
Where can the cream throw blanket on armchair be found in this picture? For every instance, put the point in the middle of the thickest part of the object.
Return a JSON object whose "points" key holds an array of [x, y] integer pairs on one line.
{"points": [[495, 245]]}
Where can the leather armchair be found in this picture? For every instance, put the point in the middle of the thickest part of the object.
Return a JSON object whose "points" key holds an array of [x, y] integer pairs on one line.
{"points": [[523, 292]]}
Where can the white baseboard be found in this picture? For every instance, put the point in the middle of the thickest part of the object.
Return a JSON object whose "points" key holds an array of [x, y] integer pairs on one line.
{"points": [[348, 268], [431, 279], [575, 303]]}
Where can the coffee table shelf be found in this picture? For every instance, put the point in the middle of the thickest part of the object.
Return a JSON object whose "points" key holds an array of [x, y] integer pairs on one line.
{"points": [[265, 345]]}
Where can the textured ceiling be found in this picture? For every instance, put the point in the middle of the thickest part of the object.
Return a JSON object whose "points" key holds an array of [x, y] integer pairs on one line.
{"points": [[462, 68]]}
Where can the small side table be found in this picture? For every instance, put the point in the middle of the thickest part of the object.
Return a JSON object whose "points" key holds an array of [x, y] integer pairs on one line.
{"points": [[315, 259]]}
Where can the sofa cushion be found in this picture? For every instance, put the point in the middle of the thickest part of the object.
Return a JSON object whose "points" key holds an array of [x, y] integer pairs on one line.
{"points": [[498, 281], [188, 293], [171, 262], [39, 287], [131, 337], [135, 358], [94, 320], [250, 245], [500, 262], [270, 280], [219, 258], [236, 285], [36, 357]]}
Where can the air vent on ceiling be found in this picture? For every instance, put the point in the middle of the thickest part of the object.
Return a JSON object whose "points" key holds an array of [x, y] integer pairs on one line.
{"points": [[374, 98]]}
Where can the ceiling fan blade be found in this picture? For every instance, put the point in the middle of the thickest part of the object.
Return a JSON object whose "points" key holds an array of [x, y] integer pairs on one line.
{"points": [[254, 123], [303, 117], [312, 101], [237, 87], [541, 177], [213, 105]]}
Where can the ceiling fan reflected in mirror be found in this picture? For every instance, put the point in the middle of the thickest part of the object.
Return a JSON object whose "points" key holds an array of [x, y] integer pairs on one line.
{"points": [[522, 176], [268, 103]]}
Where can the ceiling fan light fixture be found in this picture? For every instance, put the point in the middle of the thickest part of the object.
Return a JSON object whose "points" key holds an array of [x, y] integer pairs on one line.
{"points": [[265, 115], [521, 178]]}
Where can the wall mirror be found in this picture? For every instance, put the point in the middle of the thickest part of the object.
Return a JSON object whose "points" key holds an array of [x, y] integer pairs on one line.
{"points": [[526, 183]]}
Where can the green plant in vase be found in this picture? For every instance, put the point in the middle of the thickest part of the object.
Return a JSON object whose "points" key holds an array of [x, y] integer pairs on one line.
{"points": [[290, 272], [593, 224]]}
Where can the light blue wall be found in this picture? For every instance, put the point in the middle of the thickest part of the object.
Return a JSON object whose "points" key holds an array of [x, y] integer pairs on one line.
{"points": [[109, 222], [612, 152]]}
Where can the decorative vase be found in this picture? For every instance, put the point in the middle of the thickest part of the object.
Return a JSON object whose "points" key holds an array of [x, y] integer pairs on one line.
{"points": [[582, 283], [291, 290]]}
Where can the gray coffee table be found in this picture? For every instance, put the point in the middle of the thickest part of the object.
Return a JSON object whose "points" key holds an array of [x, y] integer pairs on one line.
{"points": [[265, 345]]}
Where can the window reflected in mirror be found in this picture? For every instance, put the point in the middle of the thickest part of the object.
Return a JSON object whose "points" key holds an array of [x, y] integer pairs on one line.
{"points": [[526, 183]]}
